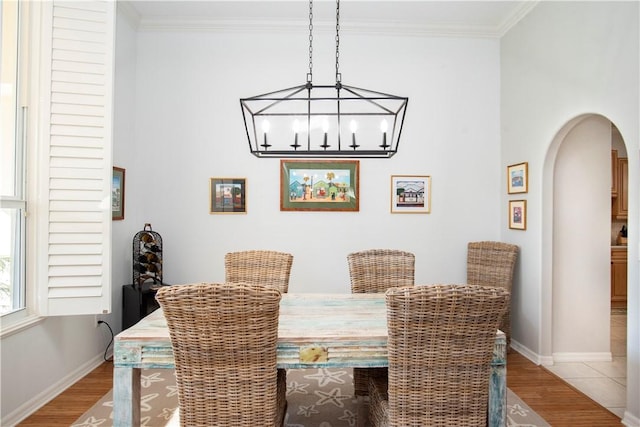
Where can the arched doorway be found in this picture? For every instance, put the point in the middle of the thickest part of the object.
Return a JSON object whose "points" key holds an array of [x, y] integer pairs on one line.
{"points": [[577, 239]]}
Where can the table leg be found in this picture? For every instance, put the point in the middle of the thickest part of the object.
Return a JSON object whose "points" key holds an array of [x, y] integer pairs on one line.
{"points": [[362, 417], [498, 385], [126, 397]]}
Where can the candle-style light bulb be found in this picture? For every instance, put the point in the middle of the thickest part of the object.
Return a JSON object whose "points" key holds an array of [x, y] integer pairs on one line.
{"points": [[384, 126], [296, 129], [354, 128], [265, 130], [325, 129]]}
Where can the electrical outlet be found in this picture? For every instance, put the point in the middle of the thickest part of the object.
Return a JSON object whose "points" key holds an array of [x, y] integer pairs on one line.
{"points": [[96, 320]]}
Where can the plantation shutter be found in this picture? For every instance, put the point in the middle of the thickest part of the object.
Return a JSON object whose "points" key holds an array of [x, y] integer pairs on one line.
{"points": [[74, 218]]}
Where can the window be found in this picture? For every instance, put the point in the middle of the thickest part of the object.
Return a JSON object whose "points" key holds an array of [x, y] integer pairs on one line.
{"points": [[12, 191]]}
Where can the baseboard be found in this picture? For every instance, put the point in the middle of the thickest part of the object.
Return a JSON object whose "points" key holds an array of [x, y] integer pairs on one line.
{"points": [[630, 420], [44, 397], [526, 352], [582, 357], [560, 357]]}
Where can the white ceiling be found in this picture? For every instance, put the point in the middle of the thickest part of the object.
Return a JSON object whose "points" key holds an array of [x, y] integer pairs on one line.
{"points": [[488, 18]]}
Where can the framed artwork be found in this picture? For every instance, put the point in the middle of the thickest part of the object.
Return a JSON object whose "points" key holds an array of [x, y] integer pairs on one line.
{"points": [[227, 196], [410, 194], [117, 194], [518, 178], [323, 185], [518, 214]]}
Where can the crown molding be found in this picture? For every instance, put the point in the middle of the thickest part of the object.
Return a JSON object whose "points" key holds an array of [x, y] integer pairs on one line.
{"points": [[210, 24], [125, 9], [252, 26], [516, 17]]}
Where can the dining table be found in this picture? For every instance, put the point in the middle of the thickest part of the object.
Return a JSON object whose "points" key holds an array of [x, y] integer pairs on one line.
{"points": [[328, 330]]}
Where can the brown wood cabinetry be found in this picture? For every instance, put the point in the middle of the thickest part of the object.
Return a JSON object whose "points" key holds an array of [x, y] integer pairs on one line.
{"points": [[618, 277], [614, 173], [619, 186], [623, 188]]}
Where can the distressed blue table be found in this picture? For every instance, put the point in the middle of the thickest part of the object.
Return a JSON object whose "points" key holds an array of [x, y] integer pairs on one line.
{"points": [[314, 331]]}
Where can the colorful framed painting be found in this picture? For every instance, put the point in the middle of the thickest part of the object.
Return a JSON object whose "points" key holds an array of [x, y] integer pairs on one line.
{"points": [[227, 196], [518, 214], [117, 194], [518, 178], [322, 185], [410, 194]]}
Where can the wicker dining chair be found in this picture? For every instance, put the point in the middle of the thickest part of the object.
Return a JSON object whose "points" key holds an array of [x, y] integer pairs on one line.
{"points": [[267, 267], [375, 271], [440, 347], [492, 264], [259, 266], [224, 339]]}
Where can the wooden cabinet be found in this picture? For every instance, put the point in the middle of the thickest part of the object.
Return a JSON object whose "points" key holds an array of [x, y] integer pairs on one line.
{"points": [[618, 277], [614, 173], [619, 186], [623, 188]]}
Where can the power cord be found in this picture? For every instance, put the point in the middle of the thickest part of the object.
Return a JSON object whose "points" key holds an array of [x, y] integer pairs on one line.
{"points": [[110, 342]]}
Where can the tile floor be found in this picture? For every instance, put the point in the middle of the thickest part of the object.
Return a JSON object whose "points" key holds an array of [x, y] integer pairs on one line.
{"points": [[604, 382]]}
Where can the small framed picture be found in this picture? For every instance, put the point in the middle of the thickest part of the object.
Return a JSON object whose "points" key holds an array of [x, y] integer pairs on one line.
{"points": [[410, 194], [518, 178], [228, 196], [518, 214], [117, 194]]}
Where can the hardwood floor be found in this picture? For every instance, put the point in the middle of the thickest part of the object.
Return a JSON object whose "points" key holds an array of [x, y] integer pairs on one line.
{"points": [[553, 399], [74, 401], [556, 401]]}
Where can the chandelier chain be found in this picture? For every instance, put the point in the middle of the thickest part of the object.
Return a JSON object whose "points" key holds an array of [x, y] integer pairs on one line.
{"points": [[338, 76], [310, 75]]}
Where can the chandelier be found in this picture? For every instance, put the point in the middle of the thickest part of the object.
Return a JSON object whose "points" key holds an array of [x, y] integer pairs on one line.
{"points": [[324, 120]]}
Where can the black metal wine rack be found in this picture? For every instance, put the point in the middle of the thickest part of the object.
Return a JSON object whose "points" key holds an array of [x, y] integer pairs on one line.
{"points": [[147, 257]]}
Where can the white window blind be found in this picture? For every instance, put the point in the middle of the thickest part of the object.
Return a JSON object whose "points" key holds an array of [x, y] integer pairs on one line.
{"points": [[74, 213]]}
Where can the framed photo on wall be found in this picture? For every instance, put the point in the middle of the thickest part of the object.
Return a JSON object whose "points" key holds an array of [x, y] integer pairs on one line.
{"points": [[518, 178], [410, 194], [518, 214], [227, 196], [320, 185], [117, 194]]}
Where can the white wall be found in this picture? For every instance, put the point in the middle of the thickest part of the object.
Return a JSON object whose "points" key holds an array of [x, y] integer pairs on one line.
{"points": [[124, 143], [189, 128], [562, 61]]}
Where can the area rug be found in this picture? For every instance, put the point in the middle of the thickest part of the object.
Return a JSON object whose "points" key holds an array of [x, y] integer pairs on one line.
{"points": [[316, 398]]}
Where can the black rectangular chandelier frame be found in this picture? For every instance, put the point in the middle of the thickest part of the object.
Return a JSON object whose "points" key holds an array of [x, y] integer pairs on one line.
{"points": [[307, 103]]}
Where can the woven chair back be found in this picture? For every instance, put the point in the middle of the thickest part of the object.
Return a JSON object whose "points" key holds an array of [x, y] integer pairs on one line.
{"points": [[492, 264], [259, 266], [224, 339], [376, 270], [441, 340]]}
